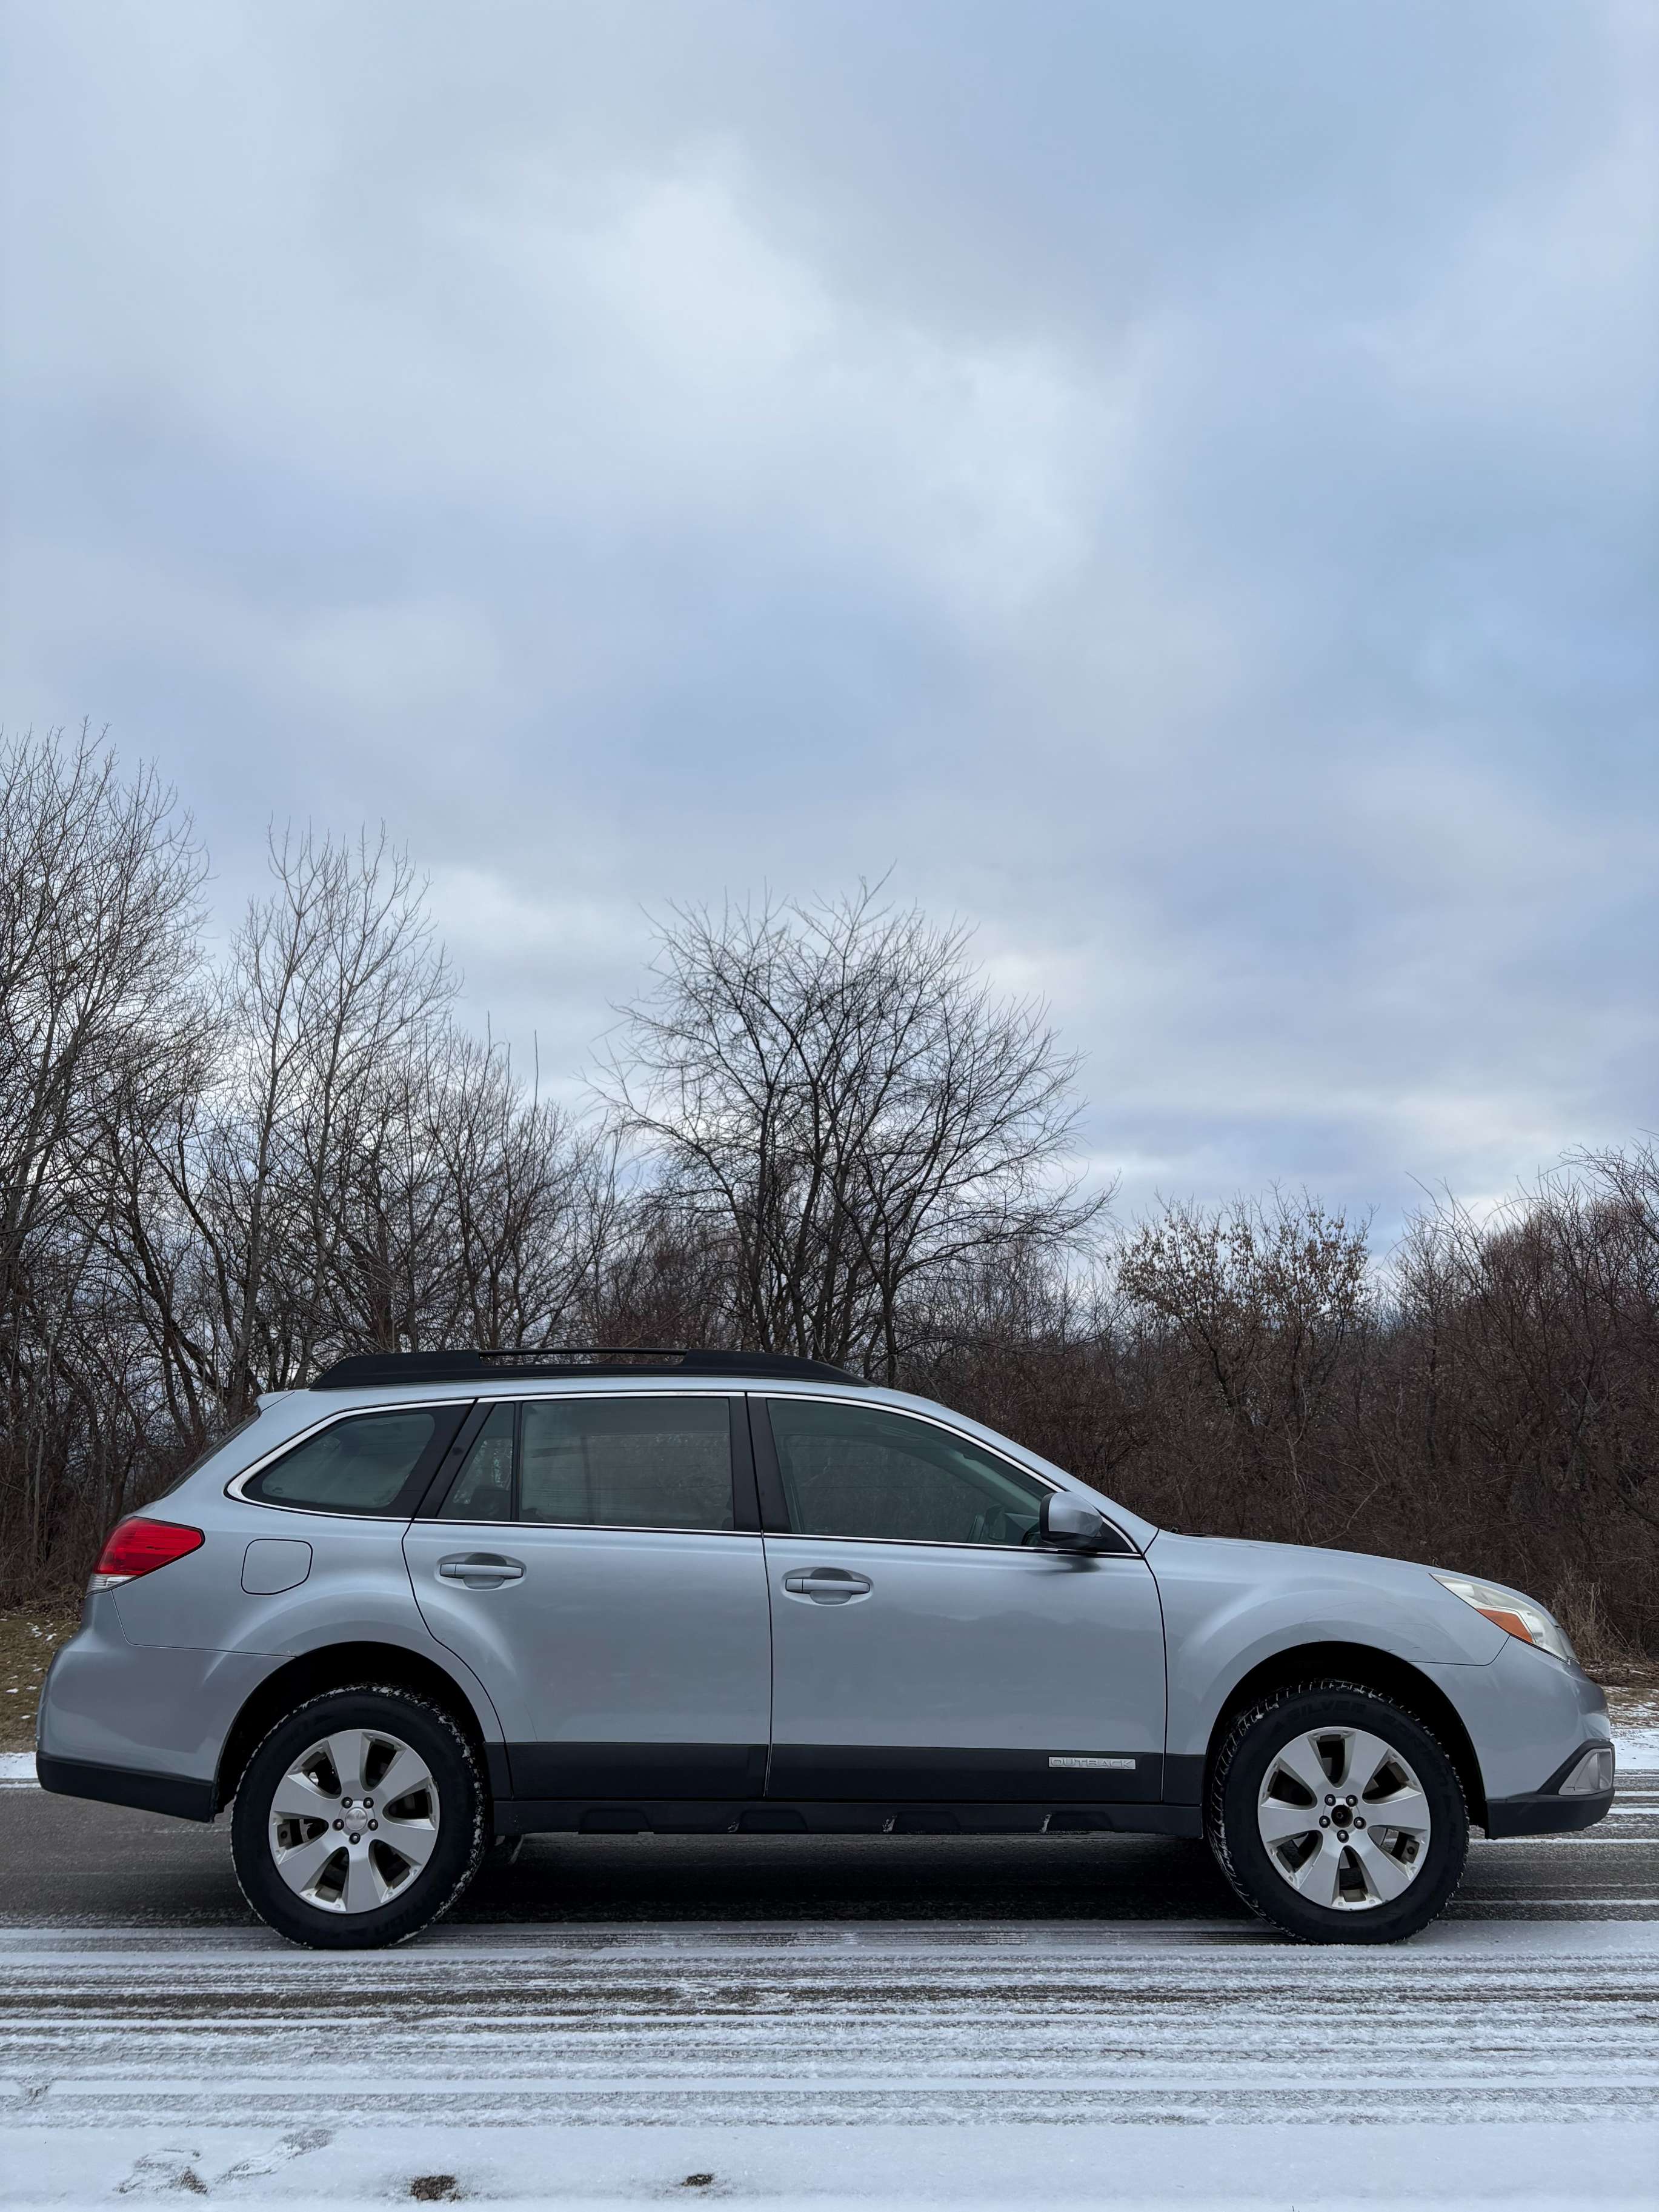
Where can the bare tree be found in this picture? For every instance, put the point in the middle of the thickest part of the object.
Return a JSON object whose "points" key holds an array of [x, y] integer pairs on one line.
{"points": [[474, 1214], [1536, 1332], [1264, 1303], [99, 881], [235, 1214], [99, 903], [347, 1170], [831, 1094]]}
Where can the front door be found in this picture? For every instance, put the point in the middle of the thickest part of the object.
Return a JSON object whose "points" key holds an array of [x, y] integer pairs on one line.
{"points": [[586, 1565], [924, 1646]]}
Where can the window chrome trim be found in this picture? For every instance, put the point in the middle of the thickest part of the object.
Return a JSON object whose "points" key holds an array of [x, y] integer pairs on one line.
{"points": [[953, 1544], [584, 1527], [1132, 1550]]}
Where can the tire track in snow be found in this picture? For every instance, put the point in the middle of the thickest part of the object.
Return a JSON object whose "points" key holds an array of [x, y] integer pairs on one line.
{"points": [[924, 2026]]}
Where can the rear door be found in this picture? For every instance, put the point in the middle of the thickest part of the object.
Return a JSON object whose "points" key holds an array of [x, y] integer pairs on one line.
{"points": [[924, 1646], [595, 1561]]}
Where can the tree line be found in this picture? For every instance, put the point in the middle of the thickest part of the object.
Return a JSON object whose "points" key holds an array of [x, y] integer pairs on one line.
{"points": [[816, 1130]]}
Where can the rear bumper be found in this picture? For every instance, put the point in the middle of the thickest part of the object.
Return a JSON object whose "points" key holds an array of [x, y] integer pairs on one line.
{"points": [[149, 1716], [175, 1794]]}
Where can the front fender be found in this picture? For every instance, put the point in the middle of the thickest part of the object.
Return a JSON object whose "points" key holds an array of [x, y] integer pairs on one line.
{"points": [[1229, 1607]]}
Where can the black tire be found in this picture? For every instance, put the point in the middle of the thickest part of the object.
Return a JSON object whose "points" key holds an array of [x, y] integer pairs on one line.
{"points": [[462, 1819], [1252, 1748]]}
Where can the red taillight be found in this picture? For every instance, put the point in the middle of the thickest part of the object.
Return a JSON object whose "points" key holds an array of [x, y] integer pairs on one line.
{"points": [[137, 1547]]}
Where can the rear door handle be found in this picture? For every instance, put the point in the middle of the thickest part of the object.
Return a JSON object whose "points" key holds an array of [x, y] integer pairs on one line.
{"points": [[480, 1570], [827, 1585]]}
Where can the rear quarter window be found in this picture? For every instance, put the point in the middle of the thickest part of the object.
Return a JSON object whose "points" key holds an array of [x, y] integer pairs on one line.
{"points": [[362, 1464]]}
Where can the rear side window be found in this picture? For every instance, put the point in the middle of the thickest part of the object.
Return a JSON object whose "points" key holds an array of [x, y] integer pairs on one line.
{"points": [[362, 1465], [655, 1463], [627, 1462], [482, 1490]]}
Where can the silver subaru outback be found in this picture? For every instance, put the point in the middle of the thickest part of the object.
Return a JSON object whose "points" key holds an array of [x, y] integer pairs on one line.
{"points": [[438, 1601]]}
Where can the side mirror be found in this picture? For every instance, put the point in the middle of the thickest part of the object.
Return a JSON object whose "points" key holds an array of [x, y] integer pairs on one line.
{"points": [[1070, 1524]]}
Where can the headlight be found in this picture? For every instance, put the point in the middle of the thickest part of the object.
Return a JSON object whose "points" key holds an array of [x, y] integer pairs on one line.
{"points": [[1507, 1610]]}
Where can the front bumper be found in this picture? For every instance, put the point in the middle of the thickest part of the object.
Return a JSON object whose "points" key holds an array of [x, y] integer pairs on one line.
{"points": [[1546, 1813], [1530, 1719], [1558, 1808]]}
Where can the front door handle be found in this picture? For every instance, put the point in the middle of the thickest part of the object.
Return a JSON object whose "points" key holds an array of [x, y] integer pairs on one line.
{"points": [[480, 1570], [827, 1585]]}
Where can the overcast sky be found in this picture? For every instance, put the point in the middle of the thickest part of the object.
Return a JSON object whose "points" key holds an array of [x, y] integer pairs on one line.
{"points": [[1174, 480]]}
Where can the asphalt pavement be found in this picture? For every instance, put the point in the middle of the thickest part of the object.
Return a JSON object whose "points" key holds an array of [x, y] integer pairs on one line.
{"points": [[66, 1862]]}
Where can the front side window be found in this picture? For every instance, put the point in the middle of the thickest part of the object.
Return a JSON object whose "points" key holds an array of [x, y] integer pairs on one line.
{"points": [[655, 1463], [860, 1471], [362, 1465]]}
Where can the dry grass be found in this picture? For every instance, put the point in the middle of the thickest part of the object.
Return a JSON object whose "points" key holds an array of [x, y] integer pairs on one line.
{"points": [[27, 1641]]}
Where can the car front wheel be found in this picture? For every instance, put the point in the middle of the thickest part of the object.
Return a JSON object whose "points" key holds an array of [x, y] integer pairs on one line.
{"points": [[359, 1820], [1338, 1816]]}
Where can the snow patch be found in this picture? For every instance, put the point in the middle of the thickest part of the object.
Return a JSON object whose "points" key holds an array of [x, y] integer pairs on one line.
{"points": [[1523, 2165]]}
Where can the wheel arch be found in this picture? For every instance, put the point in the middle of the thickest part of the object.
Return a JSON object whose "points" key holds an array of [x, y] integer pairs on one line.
{"points": [[334, 1667], [1372, 1670]]}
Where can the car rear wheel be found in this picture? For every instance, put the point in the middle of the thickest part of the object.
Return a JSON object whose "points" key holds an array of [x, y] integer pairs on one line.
{"points": [[359, 1820], [1338, 1816]]}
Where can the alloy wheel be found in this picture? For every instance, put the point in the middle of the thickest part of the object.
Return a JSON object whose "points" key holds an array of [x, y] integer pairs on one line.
{"points": [[1344, 1820], [354, 1821]]}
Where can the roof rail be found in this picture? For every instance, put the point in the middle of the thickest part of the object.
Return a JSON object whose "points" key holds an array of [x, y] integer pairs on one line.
{"points": [[365, 1369]]}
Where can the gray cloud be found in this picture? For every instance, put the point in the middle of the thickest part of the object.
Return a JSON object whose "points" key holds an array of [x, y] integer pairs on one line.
{"points": [[1176, 483]]}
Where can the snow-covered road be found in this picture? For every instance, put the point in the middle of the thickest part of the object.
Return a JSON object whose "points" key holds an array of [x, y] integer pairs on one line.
{"points": [[962, 2064], [833, 2025]]}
